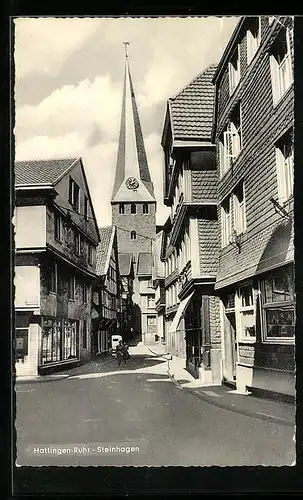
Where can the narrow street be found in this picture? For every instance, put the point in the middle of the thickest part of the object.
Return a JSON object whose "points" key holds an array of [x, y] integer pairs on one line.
{"points": [[137, 406]]}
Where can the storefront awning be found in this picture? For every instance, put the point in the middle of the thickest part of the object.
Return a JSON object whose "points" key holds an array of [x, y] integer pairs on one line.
{"points": [[180, 311]]}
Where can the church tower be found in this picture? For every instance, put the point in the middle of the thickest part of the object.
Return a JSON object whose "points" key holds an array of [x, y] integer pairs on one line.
{"points": [[134, 210]]}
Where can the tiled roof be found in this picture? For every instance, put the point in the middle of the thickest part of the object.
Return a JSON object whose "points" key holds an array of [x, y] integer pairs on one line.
{"points": [[125, 260], [41, 171], [102, 249], [144, 267], [192, 108]]}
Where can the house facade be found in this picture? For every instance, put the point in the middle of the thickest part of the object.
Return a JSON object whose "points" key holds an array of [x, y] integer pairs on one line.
{"points": [[252, 130], [126, 269], [147, 298], [56, 236], [158, 275], [191, 243], [106, 312]]}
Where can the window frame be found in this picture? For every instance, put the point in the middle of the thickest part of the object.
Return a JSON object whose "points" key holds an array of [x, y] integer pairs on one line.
{"points": [[121, 209], [85, 207], [269, 305], [252, 47], [84, 334], [226, 222], [239, 222], [74, 194], [285, 168], [145, 209], [241, 310], [133, 235], [85, 293], [90, 254], [57, 227], [53, 279], [133, 208], [233, 74], [77, 240], [275, 68], [71, 286]]}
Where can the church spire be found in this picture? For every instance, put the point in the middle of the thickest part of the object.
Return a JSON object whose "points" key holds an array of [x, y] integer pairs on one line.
{"points": [[132, 180]]}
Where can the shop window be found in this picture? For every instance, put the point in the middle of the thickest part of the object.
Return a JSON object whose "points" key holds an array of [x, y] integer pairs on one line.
{"points": [[246, 310], [278, 304], [226, 228], [133, 208], [234, 70], [285, 167], [253, 37], [58, 227], [121, 208], [51, 340], [280, 65], [74, 194]]}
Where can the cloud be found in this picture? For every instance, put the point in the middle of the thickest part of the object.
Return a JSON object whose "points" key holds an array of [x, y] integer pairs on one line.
{"points": [[74, 108], [43, 44]]}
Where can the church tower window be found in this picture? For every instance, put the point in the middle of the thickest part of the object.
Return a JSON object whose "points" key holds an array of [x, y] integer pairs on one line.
{"points": [[121, 208], [145, 208], [133, 235], [133, 208]]}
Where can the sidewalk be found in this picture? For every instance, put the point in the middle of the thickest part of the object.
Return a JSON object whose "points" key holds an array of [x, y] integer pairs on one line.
{"points": [[223, 397]]}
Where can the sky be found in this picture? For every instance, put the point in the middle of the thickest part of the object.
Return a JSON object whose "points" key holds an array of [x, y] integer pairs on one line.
{"points": [[69, 81]]}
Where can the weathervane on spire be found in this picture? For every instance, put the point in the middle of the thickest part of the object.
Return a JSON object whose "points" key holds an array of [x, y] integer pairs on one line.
{"points": [[125, 46]]}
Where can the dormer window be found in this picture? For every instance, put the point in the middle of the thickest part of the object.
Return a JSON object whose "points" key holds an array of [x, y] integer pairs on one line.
{"points": [[133, 208], [253, 37], [234, 70], [280, 64]]}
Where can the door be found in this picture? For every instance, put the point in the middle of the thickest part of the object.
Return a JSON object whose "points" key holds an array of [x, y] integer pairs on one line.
{"points": [[230, 345]]}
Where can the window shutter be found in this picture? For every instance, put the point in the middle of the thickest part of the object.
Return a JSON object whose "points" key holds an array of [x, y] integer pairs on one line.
{"points": [[280, 174], [274, 70]]}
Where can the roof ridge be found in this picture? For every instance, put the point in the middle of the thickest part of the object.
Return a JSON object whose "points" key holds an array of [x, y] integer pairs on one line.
{"points": [[62, 158]]}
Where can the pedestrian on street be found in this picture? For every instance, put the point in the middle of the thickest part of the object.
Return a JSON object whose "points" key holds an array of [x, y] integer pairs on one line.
{"points": [[119, 352], [125, 353]]}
